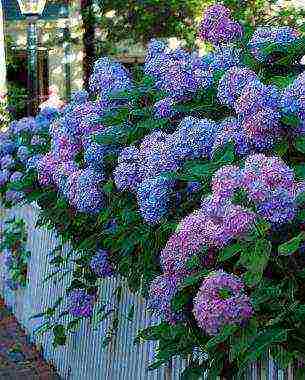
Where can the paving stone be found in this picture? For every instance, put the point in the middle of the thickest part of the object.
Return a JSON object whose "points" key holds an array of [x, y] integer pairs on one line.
{"points": [[19, 359]]}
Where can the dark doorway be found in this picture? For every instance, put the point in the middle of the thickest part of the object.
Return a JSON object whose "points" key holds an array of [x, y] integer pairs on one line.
{"points": [[17, 81]]}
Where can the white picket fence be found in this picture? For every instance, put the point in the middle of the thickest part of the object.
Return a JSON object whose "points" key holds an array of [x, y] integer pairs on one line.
{"points": [[83, 358]]}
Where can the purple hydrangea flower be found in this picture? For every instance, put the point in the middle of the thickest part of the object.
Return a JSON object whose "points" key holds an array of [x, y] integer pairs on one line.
{"points": [[262, 174], [81, 96], [7, 162], [164, 108], [162, 290], [278, 208], [230, 131], [221, 301], [62, 171], [14, 196], [217, 27], [255, 96], [16, 176], [94, 155], [232, 83], [153, 196], [100, 264], [37, 140], [23, 154], [46, 167], [109, 76], [33, 161], [262, 128], [126, 176], [129, 154], [81, 303], [292, 100], [226, 180], [4, 177], [265, 36]]}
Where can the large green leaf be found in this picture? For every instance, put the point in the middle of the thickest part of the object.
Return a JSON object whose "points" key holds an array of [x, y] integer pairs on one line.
{"points": [[291, 246]]}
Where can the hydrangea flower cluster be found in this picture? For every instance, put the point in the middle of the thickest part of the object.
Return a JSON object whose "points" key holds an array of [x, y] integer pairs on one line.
{"points": [[140, 169], [266, 36], [100, 264], [217, 27], [221, 301], [176, 72], [81, 303], [73, 134], [17, 149], [109, 76], [292, 99], [162, 291]]}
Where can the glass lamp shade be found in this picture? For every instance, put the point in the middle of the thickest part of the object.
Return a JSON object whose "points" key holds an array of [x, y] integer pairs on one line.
{"points": [[31, 7]]}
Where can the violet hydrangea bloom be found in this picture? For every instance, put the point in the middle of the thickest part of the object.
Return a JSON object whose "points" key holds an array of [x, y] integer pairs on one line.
{"points": [[293, 98], [4, 177], [226, 180], [255, 96], [81, 303], [221, 301], [109, 76], [46, 167], [217, 27], [7, 162], [279, 207], [164, 108], [231, 131], [153, 196], [265, 36], [16, 176], [232, 83], [23, 153], [100, 264], [14, 196], [162, 290]]}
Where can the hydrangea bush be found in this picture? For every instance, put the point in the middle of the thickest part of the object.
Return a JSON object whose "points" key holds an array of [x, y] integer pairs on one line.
{"points": [[188, 180]]}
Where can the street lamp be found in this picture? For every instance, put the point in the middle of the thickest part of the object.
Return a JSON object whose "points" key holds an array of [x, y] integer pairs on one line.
{"points": [[32, 10]]}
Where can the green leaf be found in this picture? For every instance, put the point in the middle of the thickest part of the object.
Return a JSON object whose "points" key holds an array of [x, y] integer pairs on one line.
{"points": [[291, 246], [224, 334], [229, 251], [300, 171], [291, 120], [224, 155], [193, 373], [299, 143], [194, 279]]}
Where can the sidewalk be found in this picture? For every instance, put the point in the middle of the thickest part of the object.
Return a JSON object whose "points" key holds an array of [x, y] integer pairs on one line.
{"points": [[19, 360]]}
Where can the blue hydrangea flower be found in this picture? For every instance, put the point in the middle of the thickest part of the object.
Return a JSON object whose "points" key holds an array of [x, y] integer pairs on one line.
{"points": [[81, 303], [7, 162], [23, 154], [4, 177], [16, 176], [153, 196], [100, 264]]}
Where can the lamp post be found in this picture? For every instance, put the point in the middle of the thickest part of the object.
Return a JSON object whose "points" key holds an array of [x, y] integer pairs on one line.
{"points": [[32, 10]]}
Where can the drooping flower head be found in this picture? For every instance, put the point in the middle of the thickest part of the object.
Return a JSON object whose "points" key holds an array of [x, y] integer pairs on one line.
{"points": [[217, 27], [100, 264], [221, 301], [232, 83], [162, 290], [81, 303]]}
